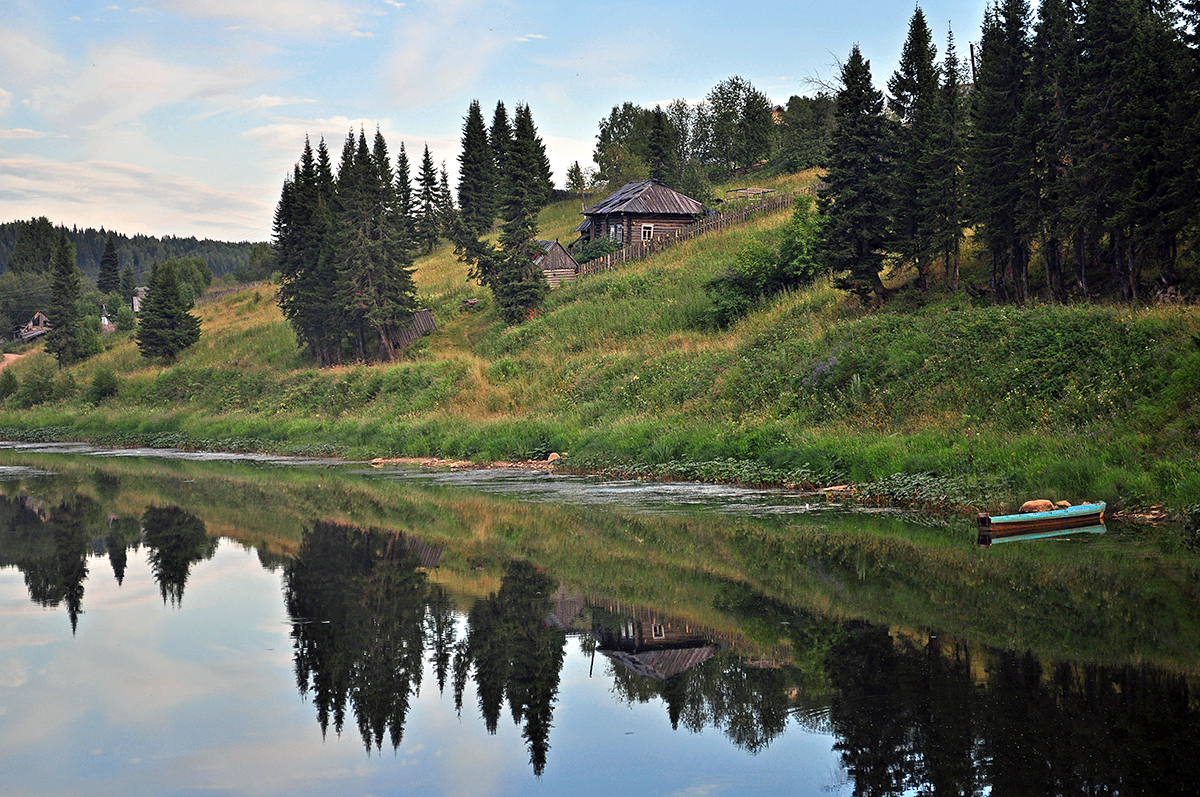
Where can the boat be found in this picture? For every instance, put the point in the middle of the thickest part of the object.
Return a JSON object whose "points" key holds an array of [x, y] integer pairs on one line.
{"points": [[1079, 519]]}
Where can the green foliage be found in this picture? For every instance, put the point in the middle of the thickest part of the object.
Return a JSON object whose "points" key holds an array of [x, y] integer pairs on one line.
{"points": [[89, 337], [595, 249], [8, 383], [104, 385], [37, 384], [124, 319], [64, 338], [166, 327]]}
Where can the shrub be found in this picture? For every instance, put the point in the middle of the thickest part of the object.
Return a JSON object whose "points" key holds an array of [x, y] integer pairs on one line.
{"points": [[8, 383], [38, 386], [104, 385], [124, 319]]}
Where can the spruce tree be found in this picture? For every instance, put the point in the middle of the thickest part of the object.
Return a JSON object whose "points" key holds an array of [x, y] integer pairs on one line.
{"points": [[108, 280], [1001, 156], [427, 222], [855, 200], [948, 157], [500, 139], [477, 175], [128, 286], [914, 89], [63, 339], [404, 200], [447, 213], [165, 325], [661, 150]]}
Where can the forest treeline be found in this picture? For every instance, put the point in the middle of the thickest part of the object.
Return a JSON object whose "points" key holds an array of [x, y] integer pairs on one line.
{"points": [[139, 252], [1073, 158]]}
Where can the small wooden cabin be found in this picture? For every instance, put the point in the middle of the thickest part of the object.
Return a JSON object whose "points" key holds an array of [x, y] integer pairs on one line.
{"points": [[638, 212], [556, 263], [38, 325]]}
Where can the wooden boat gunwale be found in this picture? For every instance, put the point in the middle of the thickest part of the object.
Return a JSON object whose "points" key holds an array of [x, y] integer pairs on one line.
{"points": [[1031, 525]]}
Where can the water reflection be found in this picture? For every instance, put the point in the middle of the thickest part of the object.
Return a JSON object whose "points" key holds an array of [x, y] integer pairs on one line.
{"points": [[371, 620]]}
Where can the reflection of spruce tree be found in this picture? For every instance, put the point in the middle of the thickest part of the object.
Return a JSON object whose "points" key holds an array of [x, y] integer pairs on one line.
{"points": [[515, 653], [870, 712], [123, 534], [440, 624], [52, 554], [358, 606], [944, 733], [175, 540]]}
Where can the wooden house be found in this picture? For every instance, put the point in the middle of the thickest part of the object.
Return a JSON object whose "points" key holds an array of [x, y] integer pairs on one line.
{"points": [[38, 325], [556, 263], [638, 212]]}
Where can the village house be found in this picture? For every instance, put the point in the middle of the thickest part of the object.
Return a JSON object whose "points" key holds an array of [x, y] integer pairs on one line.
{"points": [[638, 212], [556, 263]]}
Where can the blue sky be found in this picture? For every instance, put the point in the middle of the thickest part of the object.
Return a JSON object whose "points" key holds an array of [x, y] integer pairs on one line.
{"points": [[182, 117]]}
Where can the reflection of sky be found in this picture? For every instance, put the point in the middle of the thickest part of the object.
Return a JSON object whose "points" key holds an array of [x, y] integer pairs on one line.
{"points": [[151, 699]]}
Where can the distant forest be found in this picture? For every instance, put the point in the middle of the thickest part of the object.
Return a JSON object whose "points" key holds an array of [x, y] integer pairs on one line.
{"points": [[139, 252]]}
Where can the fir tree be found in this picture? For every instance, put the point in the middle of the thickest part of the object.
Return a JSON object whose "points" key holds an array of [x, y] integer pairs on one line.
{"points": [[661, 149], [948, 151], [500, 139], [128, 285], [856, 200], [63, 339], [108, 280], [165, 326], [404, 200], [447, 213], [1001, 155], [427, 222], [478, 176], [914, 89]]}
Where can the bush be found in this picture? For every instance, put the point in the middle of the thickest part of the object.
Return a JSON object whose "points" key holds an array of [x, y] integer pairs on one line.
{"points": [[597, 249], [64, 386], [38, 386], [124, 319], [8, 383], [104, 385]]}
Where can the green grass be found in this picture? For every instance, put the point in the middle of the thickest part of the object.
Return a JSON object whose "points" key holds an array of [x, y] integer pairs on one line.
{"points": [[973, 406]]}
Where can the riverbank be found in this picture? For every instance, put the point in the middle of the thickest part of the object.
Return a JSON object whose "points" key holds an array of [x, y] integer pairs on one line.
{"points": [[937, 404]]}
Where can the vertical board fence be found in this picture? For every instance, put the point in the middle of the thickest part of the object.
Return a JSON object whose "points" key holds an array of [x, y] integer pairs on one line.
{"points": [[641, 251]]}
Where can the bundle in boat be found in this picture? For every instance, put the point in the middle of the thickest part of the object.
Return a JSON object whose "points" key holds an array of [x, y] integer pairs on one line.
{"points": [[1036, 525]]}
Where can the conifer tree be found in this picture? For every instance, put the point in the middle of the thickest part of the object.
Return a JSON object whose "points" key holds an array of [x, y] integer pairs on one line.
{"points": [[108, 280], [914, 89], [63, 339], [1001, 158], [404, 200], [477, 175], [661, 151], [500, 139], [128, 285], [427, 222], [947, 163], [447, 213], [856, 200], [516, 282], [165, 325]]}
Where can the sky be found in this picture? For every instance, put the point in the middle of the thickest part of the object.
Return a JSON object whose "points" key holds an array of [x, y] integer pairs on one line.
{"points": [[183, 117]]}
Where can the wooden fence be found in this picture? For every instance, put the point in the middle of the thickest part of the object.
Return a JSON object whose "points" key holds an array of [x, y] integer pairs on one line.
{"points": [[422, 324], [641, 251]]}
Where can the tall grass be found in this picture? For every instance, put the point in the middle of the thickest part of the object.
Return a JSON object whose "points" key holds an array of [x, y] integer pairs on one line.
{"points": [[626, 371]]}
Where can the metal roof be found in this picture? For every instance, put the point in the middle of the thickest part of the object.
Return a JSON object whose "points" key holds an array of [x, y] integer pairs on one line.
{"points": [[649, 197]]}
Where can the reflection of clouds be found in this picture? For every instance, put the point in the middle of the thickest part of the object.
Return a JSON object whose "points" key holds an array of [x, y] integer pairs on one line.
{"points": [[13, 673]]}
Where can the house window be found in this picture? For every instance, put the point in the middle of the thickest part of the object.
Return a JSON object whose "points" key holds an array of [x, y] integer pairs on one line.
{"points": [[615, 233], [647, 232]]}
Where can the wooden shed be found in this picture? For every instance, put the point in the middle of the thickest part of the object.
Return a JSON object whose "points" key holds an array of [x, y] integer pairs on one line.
{"points": [[556, 263], [640, 211]]}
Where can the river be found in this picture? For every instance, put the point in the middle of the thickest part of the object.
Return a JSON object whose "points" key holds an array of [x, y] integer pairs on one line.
{"points": [[187, 624]]}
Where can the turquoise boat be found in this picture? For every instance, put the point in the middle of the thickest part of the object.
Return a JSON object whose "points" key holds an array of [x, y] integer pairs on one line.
{"points": [[1084, 518]]}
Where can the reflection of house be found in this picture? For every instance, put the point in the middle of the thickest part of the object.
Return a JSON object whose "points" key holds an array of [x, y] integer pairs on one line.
{"points": [[654, 646], [640, 211], [556, 263], [38, 325]]}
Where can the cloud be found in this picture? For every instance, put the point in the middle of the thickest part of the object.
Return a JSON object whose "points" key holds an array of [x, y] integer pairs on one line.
{"points": [[21, 133], [286, 16], [120, 84], [394, 3], [441, 51], [130, 198], [529, 37]]}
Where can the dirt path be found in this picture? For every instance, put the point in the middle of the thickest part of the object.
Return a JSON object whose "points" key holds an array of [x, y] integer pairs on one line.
{"points": [[11, 358]]}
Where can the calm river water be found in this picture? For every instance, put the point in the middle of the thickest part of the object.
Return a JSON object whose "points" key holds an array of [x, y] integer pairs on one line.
{"points": [[182, 625]]}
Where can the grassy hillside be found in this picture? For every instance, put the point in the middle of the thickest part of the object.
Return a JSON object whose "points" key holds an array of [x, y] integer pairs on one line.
{"points": [[940, 403]]}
